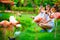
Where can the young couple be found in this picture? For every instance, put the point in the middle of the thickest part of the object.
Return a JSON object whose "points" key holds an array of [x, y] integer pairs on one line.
{"points": [[44, 18]]}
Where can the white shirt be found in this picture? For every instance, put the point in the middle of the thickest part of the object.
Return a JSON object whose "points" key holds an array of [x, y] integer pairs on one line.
{"points": [[40, 15], [48, 18]]}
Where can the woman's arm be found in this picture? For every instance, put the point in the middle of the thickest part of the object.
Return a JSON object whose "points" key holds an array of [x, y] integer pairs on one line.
{"points": [[48, 21]]}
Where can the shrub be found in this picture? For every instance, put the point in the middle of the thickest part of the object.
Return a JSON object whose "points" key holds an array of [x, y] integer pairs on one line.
{"points": [[26, 9]]}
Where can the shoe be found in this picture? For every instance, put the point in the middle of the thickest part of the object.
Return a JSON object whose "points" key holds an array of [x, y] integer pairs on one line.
{"points": [[50, 30], [42, 31]]}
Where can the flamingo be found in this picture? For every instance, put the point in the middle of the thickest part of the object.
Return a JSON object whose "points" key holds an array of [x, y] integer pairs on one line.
{"points": [[4, 23], [9, 24]]}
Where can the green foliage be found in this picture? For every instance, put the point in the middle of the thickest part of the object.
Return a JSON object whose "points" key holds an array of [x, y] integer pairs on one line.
{"points": [[2, 7], [22, 1], [5, 15], [15, 0], [38, 2], [28, 9], [29, 4], [1, 34]]}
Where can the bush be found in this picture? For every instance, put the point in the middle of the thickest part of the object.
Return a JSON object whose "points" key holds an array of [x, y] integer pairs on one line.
{"points": [[28, 9], [2, 7]]}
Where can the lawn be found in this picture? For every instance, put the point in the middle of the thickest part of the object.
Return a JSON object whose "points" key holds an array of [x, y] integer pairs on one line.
{"points": [[31, 31]]}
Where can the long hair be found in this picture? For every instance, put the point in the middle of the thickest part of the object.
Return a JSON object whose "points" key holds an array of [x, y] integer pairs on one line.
{"points": [[40, 9]]}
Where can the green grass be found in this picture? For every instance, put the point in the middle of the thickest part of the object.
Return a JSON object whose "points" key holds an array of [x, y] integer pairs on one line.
{"points": [[31, 31], [36, 36]]}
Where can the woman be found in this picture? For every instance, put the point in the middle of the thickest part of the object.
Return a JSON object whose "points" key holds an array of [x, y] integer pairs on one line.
{"points": [[40, 16], [49, 24]]}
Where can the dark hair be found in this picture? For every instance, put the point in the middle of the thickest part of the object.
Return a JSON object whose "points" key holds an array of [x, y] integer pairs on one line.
{"points": [[47, 6], [57, 8]]}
